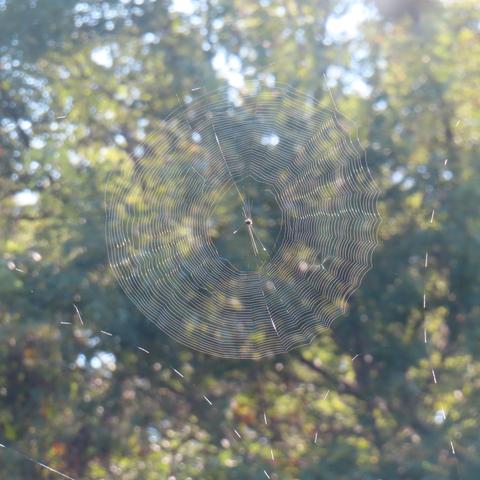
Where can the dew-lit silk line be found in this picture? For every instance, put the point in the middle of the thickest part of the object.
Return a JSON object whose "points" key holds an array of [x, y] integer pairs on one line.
{"points": [[159, 205]]}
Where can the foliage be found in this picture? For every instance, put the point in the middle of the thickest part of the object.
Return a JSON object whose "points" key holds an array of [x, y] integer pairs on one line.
{"points": [[81, 85]]}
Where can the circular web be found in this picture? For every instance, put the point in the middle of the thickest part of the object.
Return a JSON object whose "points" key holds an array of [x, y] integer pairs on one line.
{"points": [[245, 223]]}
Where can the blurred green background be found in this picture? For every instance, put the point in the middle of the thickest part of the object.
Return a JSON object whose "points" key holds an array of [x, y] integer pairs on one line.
{"points": [[81, 84]]}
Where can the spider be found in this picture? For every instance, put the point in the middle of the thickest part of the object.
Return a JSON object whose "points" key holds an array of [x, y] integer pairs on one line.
{"points": [[251, 232]]}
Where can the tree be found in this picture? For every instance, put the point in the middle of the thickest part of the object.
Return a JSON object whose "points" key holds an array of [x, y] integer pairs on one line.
{"points": [[81, 85]]}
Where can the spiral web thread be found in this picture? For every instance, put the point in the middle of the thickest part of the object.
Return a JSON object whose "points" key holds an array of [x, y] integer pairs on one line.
{"points": [[272, 155]]}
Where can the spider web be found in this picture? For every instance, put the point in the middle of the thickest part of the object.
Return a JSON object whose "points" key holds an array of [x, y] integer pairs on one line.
{"points": [[242, 226]]}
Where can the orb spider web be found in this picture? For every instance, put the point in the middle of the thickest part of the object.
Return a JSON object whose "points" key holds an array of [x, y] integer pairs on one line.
{"points": [[242, 226]]}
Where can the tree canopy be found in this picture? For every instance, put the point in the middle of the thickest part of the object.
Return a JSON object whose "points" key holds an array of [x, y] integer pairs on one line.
{"points": [[82, 84]]}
